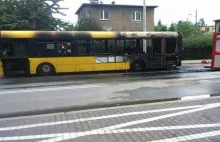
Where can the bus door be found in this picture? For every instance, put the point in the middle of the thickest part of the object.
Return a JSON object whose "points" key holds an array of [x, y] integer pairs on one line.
{"points": [[215, 65], [1, 68], [1, 63]]}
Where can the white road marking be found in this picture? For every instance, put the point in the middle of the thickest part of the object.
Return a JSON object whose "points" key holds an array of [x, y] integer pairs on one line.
{"points": [[67, 136], [30, 137], [97, 118], [195, 97], [57, 137], [191, 137], [210, 106], [197, 78], [171, 127], [48, 89]]}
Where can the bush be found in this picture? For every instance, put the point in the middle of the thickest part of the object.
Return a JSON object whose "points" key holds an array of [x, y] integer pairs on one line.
{"points": [[203, 41], [196, 53], [197, 47]]}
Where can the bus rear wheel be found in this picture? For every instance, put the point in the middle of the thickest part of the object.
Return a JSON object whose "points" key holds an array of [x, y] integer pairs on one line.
{"points": [[45, 69], [137, 66]]}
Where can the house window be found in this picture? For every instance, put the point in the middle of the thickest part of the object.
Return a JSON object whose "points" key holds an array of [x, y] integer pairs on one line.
{"points": [[207, 29], [136, 15], [104, 15]]}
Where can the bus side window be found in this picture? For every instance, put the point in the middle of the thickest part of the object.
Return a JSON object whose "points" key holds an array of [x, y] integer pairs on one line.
{"points": [[7, 50], [64, 49], [84, 47], [20, 48], [104, 46], [149, 45], [99, 46], [171, 45], [46, 48], [131, 46], [120, 47], [14, 48], [156, 45]]}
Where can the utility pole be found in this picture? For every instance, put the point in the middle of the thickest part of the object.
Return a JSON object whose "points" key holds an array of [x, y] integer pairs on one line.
{"points": [[196, 18], [144, 25]]}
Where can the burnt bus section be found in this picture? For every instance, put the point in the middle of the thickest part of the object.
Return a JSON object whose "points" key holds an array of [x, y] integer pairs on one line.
{"points": [[180, 49], [161, 53], [13, 54]]}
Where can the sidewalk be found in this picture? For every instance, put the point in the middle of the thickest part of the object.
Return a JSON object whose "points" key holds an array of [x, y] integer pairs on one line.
{"points": [[195, 61]]}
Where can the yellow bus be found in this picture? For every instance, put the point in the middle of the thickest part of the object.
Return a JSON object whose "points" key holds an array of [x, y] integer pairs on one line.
{"points": [[49, 52]]}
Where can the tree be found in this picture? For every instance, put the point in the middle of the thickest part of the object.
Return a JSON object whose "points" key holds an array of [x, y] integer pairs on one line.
{"points": [[187, 28], [30, 15], [201, 22], [172, 27], [87, 23], [70, 27], [160, 27]]}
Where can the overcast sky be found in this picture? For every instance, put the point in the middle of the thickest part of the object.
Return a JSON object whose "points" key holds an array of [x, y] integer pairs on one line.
{"points": [[168, 11]]}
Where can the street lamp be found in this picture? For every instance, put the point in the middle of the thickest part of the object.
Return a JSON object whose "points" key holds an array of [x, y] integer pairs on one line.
{"points": [[144, 25], [144, 17], [196, 16]]}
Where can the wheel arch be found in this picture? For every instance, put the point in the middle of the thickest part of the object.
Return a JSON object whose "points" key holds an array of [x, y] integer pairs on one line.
{"points": [[52, 65], [139, 60], [134, 63]]}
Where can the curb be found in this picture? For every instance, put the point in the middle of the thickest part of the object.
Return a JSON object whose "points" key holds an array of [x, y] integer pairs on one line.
{"points": [[77, 108], [110, 75], [96, 106], [167, 72], [196, 61]]}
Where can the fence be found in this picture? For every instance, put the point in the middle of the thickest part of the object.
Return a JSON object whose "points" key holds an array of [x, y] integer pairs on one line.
{"points": [[196, 53]]}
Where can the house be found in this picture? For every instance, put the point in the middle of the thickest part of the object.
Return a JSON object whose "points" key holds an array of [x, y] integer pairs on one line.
{"points": [[207, 29], [115, 17], [217, 25]]}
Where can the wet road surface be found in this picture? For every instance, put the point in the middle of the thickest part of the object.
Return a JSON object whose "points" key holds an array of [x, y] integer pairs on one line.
{"points": [[40, 93], [31, 81]]}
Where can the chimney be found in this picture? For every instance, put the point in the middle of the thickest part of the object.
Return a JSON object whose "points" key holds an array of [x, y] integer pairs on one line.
{"points": [[94, 1]]}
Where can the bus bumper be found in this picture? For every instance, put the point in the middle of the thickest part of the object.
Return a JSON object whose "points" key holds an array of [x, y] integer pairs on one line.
{"points": [[1, 69]]}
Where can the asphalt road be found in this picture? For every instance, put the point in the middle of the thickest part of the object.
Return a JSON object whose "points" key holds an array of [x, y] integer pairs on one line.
{"points": [[191, 121], [38, 94]]}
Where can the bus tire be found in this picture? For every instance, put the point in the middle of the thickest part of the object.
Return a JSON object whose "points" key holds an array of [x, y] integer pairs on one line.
{"points": [[137, 66], [45, 69]]}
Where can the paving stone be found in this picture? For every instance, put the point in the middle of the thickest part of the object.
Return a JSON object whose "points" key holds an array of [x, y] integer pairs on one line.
{"points": [[128, 130]]}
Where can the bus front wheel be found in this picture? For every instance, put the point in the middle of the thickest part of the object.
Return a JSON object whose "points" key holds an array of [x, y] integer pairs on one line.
{"points": [[137, 66], [46, 69]]}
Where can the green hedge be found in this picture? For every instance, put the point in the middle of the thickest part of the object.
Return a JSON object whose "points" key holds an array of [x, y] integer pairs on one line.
{"points": [[197, 47], [196, 53]]}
